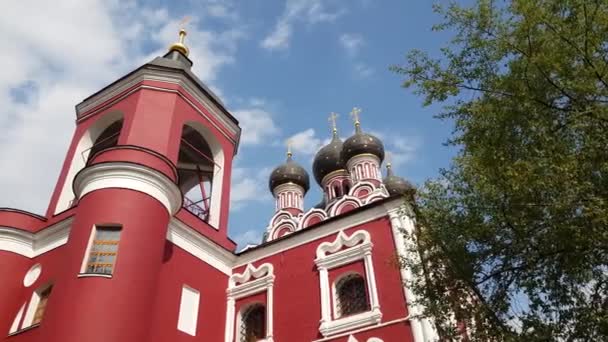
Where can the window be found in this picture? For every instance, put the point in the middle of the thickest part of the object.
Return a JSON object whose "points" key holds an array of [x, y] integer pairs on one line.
{"points": [[351, 295], [253, 326], [103, 250], [188, 310], [40, 309]]}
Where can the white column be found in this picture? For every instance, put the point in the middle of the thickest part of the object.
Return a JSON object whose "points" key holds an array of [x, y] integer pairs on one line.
{"points": [[325, 299], [371, 280], [269, 311], [418, 329], [229, 319]]}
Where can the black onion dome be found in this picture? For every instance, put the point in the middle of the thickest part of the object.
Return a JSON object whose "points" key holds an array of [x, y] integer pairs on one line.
{"points": [[327, 159], [362, 143], [396, 185], [290, 172]]}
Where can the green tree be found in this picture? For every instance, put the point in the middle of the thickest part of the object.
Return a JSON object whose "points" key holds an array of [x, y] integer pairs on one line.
{"points": [[514, 234]]}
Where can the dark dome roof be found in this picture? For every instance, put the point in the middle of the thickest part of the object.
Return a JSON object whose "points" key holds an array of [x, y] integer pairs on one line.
{"points": [[327, 159], [397, 185], [290, 172], [361, 143]]}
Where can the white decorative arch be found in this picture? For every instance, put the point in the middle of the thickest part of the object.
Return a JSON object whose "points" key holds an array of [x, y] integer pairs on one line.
{"points": [[252, 281], [289, 225], [343, 240], [280, 216], [360, 186], [352, 338], [80, 156], [337, 207], [314, 212], [218, 170]]}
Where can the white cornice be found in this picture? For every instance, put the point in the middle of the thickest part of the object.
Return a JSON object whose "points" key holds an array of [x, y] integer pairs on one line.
{"points": [[325, 229], [33, 244], [200, 246], [148, 74], [129, 176]]}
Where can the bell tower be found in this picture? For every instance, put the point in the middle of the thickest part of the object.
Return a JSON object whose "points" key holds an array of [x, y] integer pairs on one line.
{"points": [[153, 146]]}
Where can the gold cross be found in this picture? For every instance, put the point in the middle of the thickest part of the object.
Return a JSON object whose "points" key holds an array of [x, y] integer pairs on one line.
{"points": [[332, 119], [355, 115], [289, 143]]}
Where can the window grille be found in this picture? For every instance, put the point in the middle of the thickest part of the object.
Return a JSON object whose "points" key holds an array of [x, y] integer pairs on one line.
{"points": [[351, 295], [41, 307], [253, 327], [102, 255]]}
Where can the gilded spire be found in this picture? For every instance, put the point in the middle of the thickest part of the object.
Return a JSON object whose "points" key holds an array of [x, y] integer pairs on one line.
{"points": [[179, 45], [289, 153], [332, 120], [389, 165], [355, 116]]}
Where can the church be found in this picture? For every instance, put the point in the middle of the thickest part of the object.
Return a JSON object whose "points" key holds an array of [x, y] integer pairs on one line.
{"points": [[134, 244]]}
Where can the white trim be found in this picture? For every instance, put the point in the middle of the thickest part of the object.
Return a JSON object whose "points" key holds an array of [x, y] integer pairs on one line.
{"points": [[374, 327], [331, 255], [33, 244], [32, 275], [422, 328], [156, 74], [129, 176], [17, 320], [187, 318], [94, 275], [327, 229], [252, 281], [339, 204], [200, 246], [33, 306]]}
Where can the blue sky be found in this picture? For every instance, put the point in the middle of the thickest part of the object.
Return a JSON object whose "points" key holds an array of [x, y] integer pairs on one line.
{"points": [[280, 66]]}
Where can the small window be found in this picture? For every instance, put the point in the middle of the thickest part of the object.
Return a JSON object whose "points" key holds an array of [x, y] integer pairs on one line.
{"points": [[346, 186], [41, 308], [253, 326], [351, 296], [103, 250]]}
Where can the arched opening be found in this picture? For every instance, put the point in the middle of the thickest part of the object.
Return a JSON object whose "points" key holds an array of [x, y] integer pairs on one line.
{"points": [[199, 168], [108, 138], [108, 125], [337, 191], [351, 295], [346, 186], [253, 323]]}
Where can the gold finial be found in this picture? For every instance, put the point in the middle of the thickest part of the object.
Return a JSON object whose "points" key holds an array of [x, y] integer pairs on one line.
{"points": [[179, 45], [332, 119], [355, 115], [389, 165], [289, 153]]}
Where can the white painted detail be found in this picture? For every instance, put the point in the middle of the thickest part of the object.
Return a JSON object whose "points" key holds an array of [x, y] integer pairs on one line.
{"points": [[32, 275], [33, 244], [188, 310], [32, 306], [200, 246], [80, 156], [345, 250], [129, 176], [289, 195], [252, 281], [17, 320], [351, 338], [422, 328], [364, 167]]}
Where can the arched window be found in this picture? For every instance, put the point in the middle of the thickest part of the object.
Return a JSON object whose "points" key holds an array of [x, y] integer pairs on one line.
{"points": [[253, 323], [195, 167], [351, 296], [337, 192], [346, 186], [108, 138]]}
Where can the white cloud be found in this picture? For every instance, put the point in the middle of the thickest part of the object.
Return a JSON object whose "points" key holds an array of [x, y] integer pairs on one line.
{"points": [[305, 142], [363, 71], [400, 149], [352, 43], [249, 185], [253, 237], [257, 125], [307, 11], [61, 52]]}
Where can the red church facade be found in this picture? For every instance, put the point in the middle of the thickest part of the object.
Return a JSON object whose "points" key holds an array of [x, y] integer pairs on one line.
{"points": [[123, 254]]}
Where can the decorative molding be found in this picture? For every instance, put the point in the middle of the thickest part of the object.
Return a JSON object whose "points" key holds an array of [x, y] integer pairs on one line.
{"points": [[200, 246], [129, 176], [326, 229], [314, 212], [339, 204], [253, 280], [344, 250], [32, 245], [351, 338], [129, 85]]}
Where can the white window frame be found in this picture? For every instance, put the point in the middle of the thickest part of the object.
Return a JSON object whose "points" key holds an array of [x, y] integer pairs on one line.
{"points": [[85, 260], [334, 286], [342, 251], [240, 285], [33, 306], [189, 303]]}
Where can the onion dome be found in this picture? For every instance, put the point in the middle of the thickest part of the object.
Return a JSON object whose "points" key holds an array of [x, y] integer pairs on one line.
{"points": [[327, 159], [396, 185], [361, 143], [289, 172]]}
